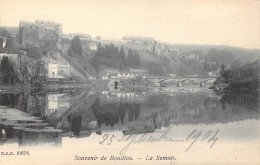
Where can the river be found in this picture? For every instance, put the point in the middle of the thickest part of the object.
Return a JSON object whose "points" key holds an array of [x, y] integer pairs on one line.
{"points": [[76, 117]]}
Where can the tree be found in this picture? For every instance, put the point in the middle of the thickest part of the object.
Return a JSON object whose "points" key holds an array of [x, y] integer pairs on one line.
{"points": [[33, 52], [222, 70], [130, 58], [37, 71], [153, 51], [156, 69], [133, 59], [122, 57], [108, 56], [137, 59], [48, 46], [76, 45], [236, 64], [7, 72]]}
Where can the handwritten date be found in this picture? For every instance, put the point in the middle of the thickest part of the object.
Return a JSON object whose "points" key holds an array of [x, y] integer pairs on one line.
{"points": [[195, 136]]}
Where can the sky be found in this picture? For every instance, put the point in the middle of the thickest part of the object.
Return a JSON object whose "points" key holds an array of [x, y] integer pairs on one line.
{"points": [[212, 22]]}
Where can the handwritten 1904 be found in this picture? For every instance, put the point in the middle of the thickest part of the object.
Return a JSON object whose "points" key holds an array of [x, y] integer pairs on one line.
{"points": [[193, 137]]}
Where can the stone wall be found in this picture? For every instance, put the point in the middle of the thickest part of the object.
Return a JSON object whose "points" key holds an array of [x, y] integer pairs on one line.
{"points": [[34, 33]]}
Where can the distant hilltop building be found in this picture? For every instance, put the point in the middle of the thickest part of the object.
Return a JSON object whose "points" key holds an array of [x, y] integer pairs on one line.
{"points": [[82, 36], [139, 40], [35, 32]]}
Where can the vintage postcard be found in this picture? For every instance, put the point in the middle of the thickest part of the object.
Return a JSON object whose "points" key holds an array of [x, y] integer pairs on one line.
{"points": [[169, 82]]}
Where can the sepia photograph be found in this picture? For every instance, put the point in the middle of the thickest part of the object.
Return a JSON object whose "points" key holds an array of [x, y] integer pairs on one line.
{"points": [[172, 82]]}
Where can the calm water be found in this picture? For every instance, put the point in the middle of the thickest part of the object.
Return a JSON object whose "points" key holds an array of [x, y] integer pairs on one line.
{"points": [[35, 118]]}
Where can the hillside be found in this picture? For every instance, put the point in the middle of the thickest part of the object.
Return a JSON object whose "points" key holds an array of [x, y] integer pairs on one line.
{"points": [[163, 58], [159, 59]]}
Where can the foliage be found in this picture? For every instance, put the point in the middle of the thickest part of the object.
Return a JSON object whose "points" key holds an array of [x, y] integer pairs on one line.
{"points": [[133, 59], [33, 52], [76, 45], [220, 57], [109, 56], [190, 67], [7, 72], [222, 70], [245, 77], [156, 69], [37, 71], [48, 46]]}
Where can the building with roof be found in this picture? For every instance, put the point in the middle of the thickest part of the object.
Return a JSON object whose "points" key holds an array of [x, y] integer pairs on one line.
{"points": [[106, 74], [4, 34], [57, 69], [56, 102], [139, 40], [138, 72]]}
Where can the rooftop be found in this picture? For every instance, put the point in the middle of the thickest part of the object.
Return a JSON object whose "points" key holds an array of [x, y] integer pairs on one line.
{"points": [[9, 31]]}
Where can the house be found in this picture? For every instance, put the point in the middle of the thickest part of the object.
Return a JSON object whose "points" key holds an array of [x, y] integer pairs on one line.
{"points": [[83, 37], [10, 32], [125, 75], [119, 75], [139, 40], [3, 42], [108, 73], [113, 73], [57, 69], [92, 46], [6, 33], [56, 102], [52, 69], [138, 72]]}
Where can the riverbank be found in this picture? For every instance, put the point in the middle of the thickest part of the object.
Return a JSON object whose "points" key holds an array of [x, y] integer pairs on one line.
{"points": [[22, 87], [249, 85], [245, 78]]}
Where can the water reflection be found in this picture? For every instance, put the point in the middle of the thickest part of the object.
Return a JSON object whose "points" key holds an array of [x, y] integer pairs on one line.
{"points": [[44, 118]]}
